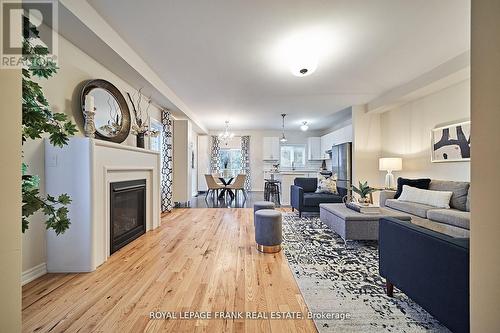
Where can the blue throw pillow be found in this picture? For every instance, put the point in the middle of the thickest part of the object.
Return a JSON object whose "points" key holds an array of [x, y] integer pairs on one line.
{"points": [[421, 183]]}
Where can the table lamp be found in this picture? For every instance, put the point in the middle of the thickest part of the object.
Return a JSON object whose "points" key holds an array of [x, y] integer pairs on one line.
{"points": [[390, 164]]}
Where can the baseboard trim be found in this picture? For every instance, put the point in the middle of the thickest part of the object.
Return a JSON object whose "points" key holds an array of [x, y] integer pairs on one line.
{"points": [[33, 273]]}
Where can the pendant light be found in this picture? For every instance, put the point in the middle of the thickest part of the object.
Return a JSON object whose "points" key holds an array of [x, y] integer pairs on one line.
{"points": [[283, 138]]}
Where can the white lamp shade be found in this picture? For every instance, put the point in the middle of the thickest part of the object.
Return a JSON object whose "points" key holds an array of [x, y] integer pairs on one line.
{"points": [[390, 164]]}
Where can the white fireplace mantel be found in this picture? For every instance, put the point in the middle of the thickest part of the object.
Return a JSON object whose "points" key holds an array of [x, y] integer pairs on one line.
{"points": [[84, 169]]}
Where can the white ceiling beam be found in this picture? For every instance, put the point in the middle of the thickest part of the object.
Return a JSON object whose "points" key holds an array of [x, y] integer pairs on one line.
{"points": [[445, 75]]}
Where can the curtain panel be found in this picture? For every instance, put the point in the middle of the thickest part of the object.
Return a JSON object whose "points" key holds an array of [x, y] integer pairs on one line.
{"points": [[166, 162], [245, 160], [215, 155]]}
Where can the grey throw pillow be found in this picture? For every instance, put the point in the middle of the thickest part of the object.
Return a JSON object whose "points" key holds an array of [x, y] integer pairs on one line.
{"points": [[459, 189], [467, 203]]}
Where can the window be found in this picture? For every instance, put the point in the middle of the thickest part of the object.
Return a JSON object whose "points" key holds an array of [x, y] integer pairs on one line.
{"points": [[292, 156], [230, 161], [155, 141]]}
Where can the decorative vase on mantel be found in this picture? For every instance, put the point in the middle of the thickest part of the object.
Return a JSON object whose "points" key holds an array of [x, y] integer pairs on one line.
{"points": [[140, 140]]}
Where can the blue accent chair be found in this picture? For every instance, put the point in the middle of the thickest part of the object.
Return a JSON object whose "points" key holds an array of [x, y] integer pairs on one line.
{"points": [[304, 199], [430, 267]]}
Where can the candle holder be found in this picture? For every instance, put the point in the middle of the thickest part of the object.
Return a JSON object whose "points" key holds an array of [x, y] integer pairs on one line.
{"points": [[89, 126]]}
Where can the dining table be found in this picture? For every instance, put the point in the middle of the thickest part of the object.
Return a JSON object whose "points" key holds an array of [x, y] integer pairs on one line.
{"points": [[226, 181]]}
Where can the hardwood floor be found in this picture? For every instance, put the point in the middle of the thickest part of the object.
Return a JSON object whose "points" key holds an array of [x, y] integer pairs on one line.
{"points": [[198, 260]]}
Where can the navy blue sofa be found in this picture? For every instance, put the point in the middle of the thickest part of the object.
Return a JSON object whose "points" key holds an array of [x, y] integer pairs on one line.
{"points": [[430, 267], [304, 199]]}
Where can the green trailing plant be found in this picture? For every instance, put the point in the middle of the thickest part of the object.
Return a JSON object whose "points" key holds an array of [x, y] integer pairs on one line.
{"points": [[38, 120], [364, 190]]}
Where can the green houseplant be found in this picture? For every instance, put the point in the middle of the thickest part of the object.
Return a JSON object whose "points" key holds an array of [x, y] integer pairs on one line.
{"points": [[39, 120], [364, 190]]}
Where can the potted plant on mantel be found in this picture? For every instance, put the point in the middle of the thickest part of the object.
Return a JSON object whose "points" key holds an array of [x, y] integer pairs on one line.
{"points": [[141, 127], [364, 191]]}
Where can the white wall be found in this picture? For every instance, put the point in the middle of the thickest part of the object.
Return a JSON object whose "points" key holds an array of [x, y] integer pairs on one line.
{"points": [[194, 174], [366, 148], [203, 161], [406, 132], [62, 92]]}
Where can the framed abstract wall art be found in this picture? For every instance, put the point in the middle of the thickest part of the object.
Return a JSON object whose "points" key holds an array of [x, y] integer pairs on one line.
{"points": [[451, 143]]}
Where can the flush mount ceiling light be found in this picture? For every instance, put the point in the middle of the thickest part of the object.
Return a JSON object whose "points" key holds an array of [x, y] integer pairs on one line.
{"points": [[303, 64], [226, 135], [301, 51], [304, 127], [283, 139]]}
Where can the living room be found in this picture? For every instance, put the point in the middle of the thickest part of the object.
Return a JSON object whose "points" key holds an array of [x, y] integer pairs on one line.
{"points": [[257, 167]]}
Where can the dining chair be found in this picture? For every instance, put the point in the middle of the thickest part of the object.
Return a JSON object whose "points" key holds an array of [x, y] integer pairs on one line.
{"points": [[212, 185], [238, 185], [216, 177]]}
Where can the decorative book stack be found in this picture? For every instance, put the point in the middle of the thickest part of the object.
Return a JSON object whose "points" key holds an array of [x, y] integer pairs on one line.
{"points": [[370, 209]]}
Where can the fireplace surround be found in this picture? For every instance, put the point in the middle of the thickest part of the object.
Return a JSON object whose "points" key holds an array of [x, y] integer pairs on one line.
{"points": [[85, 170]]}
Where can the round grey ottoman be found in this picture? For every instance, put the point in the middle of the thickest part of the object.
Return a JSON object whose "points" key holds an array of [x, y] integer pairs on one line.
{"points": [[262, 205], [268, 230]]}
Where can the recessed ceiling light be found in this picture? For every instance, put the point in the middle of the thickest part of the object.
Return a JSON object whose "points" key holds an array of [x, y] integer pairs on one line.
{"points": [[304, 127]]}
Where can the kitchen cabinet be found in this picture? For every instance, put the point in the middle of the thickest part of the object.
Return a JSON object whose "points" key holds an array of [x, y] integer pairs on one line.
{"points": [[326, 142], [314, 151], [270, 148], [339, 136]]}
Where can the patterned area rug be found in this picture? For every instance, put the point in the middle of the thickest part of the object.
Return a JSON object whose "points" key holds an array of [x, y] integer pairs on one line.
{"points": [[336, 279]]}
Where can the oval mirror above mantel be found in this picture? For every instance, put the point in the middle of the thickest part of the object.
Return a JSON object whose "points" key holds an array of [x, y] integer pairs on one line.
{"points": [[112, 115]]}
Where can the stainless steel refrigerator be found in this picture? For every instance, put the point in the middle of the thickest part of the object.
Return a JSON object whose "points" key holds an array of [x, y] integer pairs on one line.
{"points": [[342, 165]]}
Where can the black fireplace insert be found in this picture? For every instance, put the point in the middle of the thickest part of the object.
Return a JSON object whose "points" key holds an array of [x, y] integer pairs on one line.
{"points": [[128, 212]]}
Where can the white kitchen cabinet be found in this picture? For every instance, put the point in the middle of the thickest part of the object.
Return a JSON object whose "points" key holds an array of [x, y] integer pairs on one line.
{"points": [[326, 142], [339, 136], [270, 148], [314, 151]]}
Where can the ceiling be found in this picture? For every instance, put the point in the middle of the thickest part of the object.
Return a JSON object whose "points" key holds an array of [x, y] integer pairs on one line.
{"points": [[225, 59]]}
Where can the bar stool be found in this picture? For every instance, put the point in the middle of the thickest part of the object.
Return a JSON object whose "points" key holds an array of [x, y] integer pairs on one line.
{"points": [[272, 188]]}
